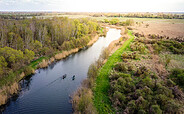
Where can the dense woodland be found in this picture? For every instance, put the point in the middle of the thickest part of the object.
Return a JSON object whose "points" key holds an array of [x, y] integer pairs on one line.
{"points": [[22, 41]]}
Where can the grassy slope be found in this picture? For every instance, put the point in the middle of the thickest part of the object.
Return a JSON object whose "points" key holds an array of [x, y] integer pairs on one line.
{"points": [[101, 98]]}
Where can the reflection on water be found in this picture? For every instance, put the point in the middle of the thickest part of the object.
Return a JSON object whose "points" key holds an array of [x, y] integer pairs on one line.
{"points": [[47, 91]]}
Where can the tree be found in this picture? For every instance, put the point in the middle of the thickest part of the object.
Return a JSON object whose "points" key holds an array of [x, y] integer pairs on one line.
{"points": [[3, 65], [28, 55], [19, 43]]}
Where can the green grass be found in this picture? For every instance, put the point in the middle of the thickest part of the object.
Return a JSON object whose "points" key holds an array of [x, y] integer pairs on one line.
{"points": [[102, 85], [33, 64]]}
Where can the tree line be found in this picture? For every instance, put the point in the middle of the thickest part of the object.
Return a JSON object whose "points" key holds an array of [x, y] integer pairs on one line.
{"points": [[142, 15]]}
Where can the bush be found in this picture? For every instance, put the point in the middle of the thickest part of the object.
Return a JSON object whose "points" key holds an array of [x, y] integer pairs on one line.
{"points": [[171, 45], [155, 109], [137, 46], [119, 96], [82, 101], [130, 55], [129, 22], [114, 21], [121, 67], [177, 75], [105, 53], [106, 20], [28, 70], [157, 48]]}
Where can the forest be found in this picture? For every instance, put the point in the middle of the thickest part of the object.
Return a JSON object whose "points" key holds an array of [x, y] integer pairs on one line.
{"points": [[22, 41]]}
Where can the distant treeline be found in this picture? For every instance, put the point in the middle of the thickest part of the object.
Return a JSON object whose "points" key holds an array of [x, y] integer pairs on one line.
{"points": [[116, 21], [142, 15], [23, 40], [18, 16]]}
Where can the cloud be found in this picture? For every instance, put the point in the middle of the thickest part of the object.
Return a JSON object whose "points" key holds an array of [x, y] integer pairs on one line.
{"points": [[94, 5]]}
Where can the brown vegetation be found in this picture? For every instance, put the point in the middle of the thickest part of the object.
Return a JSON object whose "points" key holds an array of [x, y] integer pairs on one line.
{"points": [[7, 91], [82, 101], [93, 40], [65, 54], [161, 28], [43, 64]]}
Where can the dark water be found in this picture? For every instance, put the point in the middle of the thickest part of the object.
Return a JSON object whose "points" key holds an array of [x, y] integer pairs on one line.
{"points": [[46, 92]]}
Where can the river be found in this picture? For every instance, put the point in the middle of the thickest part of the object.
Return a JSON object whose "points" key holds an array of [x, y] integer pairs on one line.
{"points": [[46, 92]]}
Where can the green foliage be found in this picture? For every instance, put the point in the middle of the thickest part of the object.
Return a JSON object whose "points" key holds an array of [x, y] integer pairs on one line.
{"points": [[106, 20], [129, 22], [12, 57], [28, 55], [155, 109], [169, 45], [130, 55], [177, 75], [114, 21], [144, 91], [3, 65], [121, 67], [37, 46], [138, 46], [28, 70]]}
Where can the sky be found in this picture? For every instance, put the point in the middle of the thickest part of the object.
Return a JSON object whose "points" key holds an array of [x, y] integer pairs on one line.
{"points": [[93, 5]]}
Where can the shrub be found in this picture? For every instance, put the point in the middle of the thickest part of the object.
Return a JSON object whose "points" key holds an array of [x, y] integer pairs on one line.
{"points": [[105, 53], [126, 30], [106, 20], [129, 22], [119, 96], [157, 48], [114, 21], [177, 75], [155, 109], [121, 67], [82, 101], [28, 70], [173, 107], [130, 55], [137, 46]]}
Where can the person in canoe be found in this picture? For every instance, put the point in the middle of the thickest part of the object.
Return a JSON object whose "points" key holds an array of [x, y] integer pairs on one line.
{"points": [[73, 78], [64, 76]]}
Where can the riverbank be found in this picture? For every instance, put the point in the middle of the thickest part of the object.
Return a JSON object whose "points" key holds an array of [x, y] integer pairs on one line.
{"points": [[10, 90], [102, 85], [84, 100]]}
